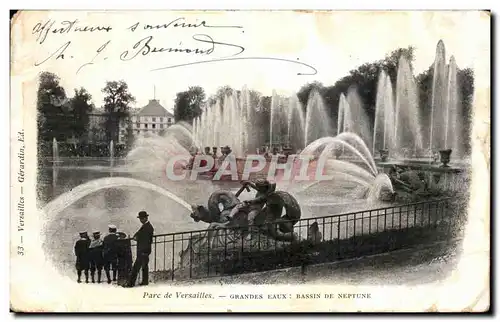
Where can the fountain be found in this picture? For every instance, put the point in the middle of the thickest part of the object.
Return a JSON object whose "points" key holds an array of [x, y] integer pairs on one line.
{"points": [[453, 124], [237, 123], [111, 153], [361, 171], [438, 104], [55, 162], [55, 151], [295, 123], [398, 124], [317, 122], [383, 137], [407, 128], [355, 118]]}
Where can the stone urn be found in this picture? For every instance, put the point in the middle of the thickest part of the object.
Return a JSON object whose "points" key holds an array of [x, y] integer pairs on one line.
{"points": [[445, 157], [225, 150], [287, 151], [384, 154]]}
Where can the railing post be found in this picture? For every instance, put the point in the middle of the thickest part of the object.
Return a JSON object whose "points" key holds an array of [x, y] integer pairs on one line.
{"points": [[414, 215], [370, 222], [155, 244], [208, 257], [323, 235], [338, 236], [429, 217], [407, 215], [331, 228], [307, 230], [400, 213], [190, 245], [173, 256], [354, 230]]}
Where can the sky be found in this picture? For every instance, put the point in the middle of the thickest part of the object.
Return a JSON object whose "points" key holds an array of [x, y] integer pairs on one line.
{"points": [[332, 43]]}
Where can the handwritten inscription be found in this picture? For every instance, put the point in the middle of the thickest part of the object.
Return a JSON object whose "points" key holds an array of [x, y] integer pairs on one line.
{"points": [[145, 47], [178, 23], [204, 44], [42, 29]]}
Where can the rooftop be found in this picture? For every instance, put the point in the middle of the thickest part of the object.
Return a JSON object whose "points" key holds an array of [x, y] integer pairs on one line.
{"points": [[154, 108]]}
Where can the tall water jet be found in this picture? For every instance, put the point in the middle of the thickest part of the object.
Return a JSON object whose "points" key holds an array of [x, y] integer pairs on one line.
{"points": [[453, 128], [383, 137], [55, 151], [355, 118], [317, 120], [407, 129], [275, 120], [55, 162], [295, 123], [246, 110], [438, 101], [111, 152], [343, 107]]}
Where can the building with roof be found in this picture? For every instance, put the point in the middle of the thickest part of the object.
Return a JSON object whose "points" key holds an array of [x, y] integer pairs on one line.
{"points": [[152, 118]]}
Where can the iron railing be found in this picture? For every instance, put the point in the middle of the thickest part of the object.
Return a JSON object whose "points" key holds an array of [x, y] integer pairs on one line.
{"points": [[188, 255]]}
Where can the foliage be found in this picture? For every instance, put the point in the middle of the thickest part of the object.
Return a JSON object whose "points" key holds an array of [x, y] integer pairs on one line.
{"points": [[188, 104], [117, 103], [51, 108], [97, 133], [80, 107]]}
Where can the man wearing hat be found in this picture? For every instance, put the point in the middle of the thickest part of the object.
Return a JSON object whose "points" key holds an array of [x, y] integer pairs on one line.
{"points": [[109, 253], [82, 256], [144, 239], [95, 252]]}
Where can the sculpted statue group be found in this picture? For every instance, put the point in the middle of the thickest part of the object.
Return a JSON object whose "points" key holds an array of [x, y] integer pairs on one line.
{"points": [[263, 213]]}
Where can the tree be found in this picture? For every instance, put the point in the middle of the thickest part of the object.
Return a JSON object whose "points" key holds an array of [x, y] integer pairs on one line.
{"points": [[465, 80], [80, 107], [117, 106], [220, 95], [303, 93], [51, 108], [188, 104], [364, 78]]}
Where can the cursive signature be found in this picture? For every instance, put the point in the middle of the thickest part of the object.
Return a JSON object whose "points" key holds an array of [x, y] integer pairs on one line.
{"points": [[145, 47]]}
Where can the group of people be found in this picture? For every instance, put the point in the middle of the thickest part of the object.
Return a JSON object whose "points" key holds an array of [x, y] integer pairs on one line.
{"points": [[113, 254]]}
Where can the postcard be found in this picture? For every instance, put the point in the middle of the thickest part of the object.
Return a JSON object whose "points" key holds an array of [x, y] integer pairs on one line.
{"points": [[250, 161]]}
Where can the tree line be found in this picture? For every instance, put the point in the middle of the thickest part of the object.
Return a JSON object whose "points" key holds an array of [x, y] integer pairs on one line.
{"points": [[188, 104], [69, 118]]}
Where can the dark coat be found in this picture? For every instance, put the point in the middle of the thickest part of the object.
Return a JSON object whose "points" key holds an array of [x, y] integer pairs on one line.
{"points": [[109, 245], [144, 238], [82, 253]]}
